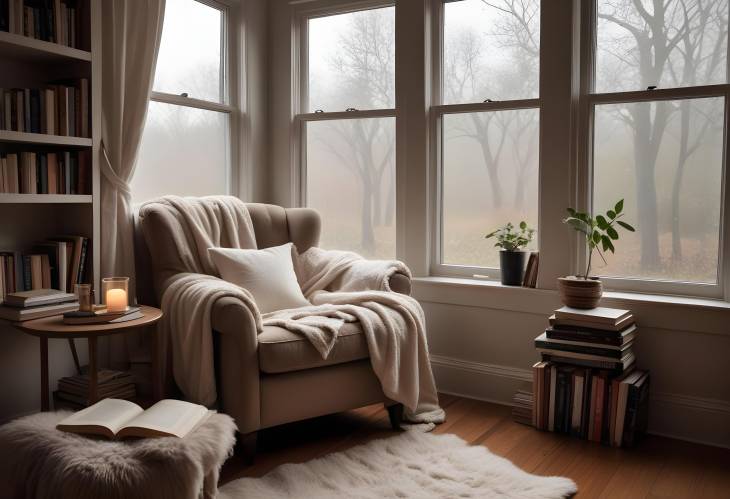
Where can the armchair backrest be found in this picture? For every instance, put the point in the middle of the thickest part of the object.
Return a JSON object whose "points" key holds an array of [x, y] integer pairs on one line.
{"points": [[158, 236]]}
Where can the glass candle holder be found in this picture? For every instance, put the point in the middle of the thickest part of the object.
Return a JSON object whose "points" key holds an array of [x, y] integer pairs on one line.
{"points": [[114, 293], [84, 295]]}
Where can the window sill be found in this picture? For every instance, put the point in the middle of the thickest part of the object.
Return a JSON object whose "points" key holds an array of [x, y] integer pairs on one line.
{"points": [[701, 315]]}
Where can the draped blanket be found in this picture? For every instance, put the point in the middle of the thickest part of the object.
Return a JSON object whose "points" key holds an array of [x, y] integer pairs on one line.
{"points": [[341, 286]]}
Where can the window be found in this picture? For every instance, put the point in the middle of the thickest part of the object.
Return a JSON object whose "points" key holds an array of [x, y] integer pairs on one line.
{"points": [[487, 128], [185, 147], [657, 111], [348, 128]]}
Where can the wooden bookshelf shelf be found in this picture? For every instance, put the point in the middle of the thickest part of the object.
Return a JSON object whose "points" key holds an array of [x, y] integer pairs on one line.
{"points": [[45, 199], [15, 46], [43, 139]]}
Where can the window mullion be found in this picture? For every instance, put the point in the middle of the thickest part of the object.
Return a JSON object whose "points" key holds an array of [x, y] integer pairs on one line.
{"points": [[346, 115], [476, 107]]}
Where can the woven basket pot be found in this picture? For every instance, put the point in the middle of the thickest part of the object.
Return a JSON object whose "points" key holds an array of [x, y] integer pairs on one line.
{"points": [[580, 293]]}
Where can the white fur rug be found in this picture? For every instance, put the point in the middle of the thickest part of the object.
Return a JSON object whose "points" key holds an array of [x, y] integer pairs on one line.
{"points": [[410, 465]]}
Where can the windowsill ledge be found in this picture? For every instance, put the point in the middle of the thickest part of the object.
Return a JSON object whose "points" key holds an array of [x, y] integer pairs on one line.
{"points": [[660, 311]]}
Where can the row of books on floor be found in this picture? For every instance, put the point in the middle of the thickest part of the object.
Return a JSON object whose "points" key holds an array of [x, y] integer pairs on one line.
{"points": [[58, 109], [587, 383], [48, 20], [594, 404], [58, 263], [66, 172], [110, 384]]}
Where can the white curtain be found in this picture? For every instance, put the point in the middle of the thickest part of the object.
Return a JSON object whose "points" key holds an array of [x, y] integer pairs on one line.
{"points": [[131, 32]]}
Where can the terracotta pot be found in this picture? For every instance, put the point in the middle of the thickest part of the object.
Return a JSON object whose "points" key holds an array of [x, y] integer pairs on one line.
{"points": [[577, 292]]}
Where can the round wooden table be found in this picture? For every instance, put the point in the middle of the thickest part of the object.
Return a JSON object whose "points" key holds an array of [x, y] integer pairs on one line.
{"points": [[53, 327]]}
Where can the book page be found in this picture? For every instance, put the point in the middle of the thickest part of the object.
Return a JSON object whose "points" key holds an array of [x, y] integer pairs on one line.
{"points": [[107, 413], [173, 417]]}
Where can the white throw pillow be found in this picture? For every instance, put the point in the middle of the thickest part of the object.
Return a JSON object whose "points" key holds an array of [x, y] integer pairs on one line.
{"points": [[267, 273]]}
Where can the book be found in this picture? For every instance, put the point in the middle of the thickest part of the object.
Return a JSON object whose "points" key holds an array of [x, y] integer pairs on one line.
{"points": [[568, 354], [116, 419], [595, 336], [637, 411], [599, 317], [611, 364], [576, 415], [622, 397], [102, 316], [553, 396], [609, 351], [25, 314], [37, 297], [530, 278]]}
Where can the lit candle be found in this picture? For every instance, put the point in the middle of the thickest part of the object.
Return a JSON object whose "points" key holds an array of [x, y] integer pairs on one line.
{"points": [[116, 300]]}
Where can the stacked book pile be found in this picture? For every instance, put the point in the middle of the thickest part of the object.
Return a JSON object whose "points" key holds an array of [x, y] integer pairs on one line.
{"points": [[58, 109], [48, 20], [586, 384], [46, 173], [522, 407], [110, 384], [58, 263], [27, 305]]}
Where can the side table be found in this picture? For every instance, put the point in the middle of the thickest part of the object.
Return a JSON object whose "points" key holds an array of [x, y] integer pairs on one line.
{"points": [[53, 327]]}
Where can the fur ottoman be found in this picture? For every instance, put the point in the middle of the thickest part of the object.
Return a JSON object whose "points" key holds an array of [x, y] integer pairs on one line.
{"points": [[38, 461]]}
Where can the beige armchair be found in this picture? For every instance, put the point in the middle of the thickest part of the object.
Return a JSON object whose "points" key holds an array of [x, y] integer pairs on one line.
{"points": [[276, 376]]}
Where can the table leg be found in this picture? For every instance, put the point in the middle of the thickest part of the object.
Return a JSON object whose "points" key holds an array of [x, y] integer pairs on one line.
{"points": [[93, 372], [156, 366], [75, 355], [45, 403]]}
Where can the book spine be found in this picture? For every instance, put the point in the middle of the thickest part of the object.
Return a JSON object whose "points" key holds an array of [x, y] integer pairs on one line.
{"points": [[82, 261]]}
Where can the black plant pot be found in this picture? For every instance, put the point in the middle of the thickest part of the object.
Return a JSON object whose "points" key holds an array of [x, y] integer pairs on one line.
{"points": [[512, 264]]}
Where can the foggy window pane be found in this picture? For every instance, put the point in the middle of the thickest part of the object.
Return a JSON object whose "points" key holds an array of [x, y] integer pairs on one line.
{"points": [[490, 177], [184, 151], [352, 60], [491, 50], [683, 43], [190, 51], [351, 182], [671, 183]]}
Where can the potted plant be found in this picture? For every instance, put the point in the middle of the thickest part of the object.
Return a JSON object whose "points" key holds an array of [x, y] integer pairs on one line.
{"points": [[512, 258], [599, 233]]}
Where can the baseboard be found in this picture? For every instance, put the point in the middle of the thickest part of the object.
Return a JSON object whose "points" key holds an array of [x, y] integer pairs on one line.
{"points": [[684, 417]]}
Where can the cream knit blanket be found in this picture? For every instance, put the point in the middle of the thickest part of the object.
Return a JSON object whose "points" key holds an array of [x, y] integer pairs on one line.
{"points": [[342, 287]]}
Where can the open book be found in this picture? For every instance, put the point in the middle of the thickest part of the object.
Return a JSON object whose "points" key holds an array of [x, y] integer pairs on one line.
{"points": [[117, 418]]}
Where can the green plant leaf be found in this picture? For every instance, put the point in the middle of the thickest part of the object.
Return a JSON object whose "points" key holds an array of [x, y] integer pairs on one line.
{"points": [[596, 236], [612, 233], [571, 212], [607, 244], [523, 225], [626, 226], [602, 222], [619, 206], [611, 214]]}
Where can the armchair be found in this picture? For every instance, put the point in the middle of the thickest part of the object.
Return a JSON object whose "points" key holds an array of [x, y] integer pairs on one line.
{"points": [[276, 376]]}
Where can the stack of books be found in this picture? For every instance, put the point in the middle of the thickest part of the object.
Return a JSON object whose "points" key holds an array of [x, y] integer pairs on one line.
{"points": [[59, 109], [46, 173], [27, 305], [110, 384], [522, 407], [51, 21], [58, 263], [586, 384]]}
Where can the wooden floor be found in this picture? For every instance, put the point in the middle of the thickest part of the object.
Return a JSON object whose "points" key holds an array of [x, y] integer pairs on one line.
{"points": [[656, 468]]}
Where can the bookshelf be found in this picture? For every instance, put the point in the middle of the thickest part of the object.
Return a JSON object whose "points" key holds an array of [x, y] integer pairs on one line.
{"points": [[27, 219]]}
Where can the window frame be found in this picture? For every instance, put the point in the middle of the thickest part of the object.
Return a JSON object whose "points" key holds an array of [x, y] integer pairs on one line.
{"points": [[229, 71], [301, 115], [588, 101], [438, 111]]}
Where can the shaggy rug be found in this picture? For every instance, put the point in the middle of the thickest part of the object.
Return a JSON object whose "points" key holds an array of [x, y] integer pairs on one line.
{"points": [[410, 465]]}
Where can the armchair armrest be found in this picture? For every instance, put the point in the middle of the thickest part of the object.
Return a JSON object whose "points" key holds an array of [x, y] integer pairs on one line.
{"points": [[400, 283], [237, 363]]}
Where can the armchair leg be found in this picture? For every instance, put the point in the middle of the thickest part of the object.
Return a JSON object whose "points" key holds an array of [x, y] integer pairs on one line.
{"points": [[246, 446], [395, 414]]}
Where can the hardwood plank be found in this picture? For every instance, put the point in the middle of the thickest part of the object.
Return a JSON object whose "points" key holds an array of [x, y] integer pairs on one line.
{"points": [[656, 467]]}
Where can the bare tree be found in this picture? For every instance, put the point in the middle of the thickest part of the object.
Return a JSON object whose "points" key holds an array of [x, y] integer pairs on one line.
{"points": [[661, 35]]}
